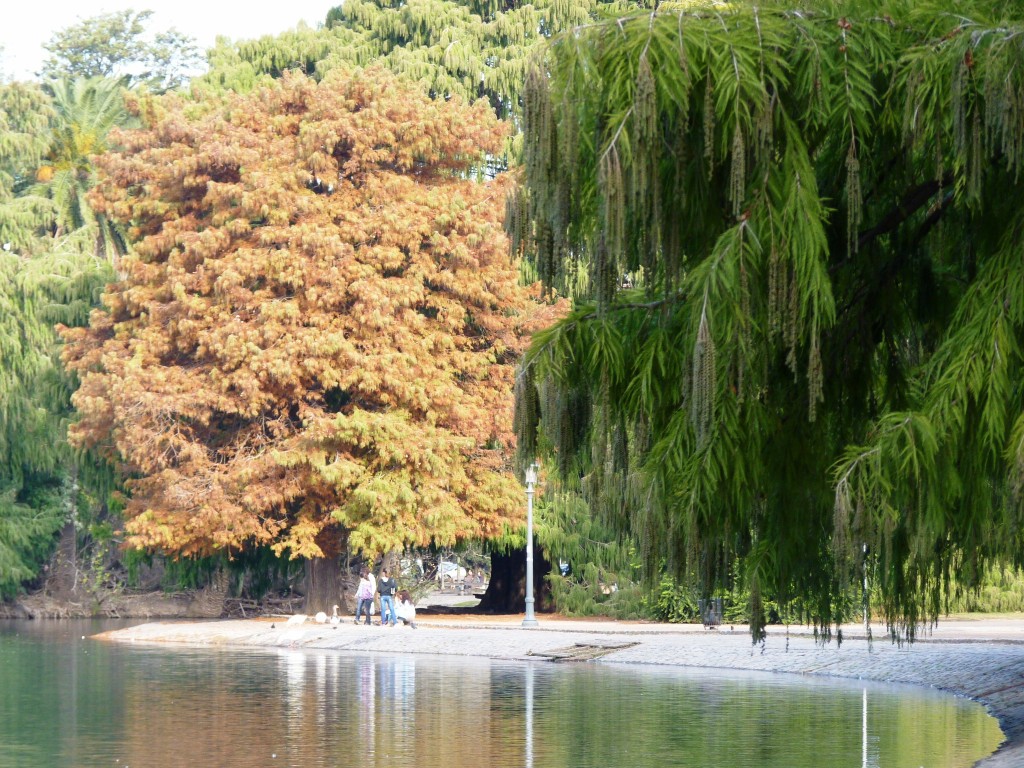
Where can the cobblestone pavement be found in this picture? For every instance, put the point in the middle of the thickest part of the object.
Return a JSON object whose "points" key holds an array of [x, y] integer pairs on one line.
{"points": [[983, 660]]}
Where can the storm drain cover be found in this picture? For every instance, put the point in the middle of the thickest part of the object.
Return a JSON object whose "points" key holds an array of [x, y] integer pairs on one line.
{"points": [[582, 651]]}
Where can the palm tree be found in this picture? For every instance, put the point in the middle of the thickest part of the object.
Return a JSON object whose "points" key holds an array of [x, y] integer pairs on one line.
{"points": [[85, 111]]}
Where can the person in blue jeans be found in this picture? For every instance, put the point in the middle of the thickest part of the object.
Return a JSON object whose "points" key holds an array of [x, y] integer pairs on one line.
{"points": [[364, 595], [387, 587]]}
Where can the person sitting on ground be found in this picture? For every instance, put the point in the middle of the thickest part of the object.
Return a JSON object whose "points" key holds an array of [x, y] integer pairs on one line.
{"points": [[405, 610]]}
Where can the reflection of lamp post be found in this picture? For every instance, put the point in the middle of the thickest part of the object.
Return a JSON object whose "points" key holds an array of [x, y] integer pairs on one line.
{"points": [[864, 732], [529, 715], [531, 480]]}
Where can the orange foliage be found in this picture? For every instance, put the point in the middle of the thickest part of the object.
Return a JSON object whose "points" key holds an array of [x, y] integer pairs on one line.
{"points": [[318, 327]]}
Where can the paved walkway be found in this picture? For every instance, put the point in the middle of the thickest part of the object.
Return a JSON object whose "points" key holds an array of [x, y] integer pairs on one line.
{"points": [[983, 660]]}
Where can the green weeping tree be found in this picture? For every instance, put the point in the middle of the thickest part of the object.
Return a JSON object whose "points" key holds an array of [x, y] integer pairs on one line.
{"points": [[25, 116], [40, 487], [470, 48], [45, 278], [794, 238]]}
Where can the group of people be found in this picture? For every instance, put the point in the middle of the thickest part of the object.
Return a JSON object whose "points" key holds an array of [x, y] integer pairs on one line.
{"points": [[390, 612]]}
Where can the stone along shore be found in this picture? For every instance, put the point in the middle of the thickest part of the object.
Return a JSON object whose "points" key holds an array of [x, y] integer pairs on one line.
{"points": [[983, 660]]}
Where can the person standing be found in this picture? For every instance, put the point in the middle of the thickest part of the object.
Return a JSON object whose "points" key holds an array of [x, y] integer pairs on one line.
{"points": [[386, 586], [364, 595]]}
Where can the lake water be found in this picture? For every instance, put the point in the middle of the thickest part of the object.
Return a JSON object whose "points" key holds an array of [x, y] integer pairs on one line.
{"points": [[73, 702]]}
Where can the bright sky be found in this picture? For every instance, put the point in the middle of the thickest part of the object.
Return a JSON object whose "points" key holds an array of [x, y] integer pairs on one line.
{"points": [[26, 24]]}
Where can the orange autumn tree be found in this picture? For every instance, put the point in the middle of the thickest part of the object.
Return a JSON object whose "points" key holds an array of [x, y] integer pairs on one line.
{"points": [[313, 344]]}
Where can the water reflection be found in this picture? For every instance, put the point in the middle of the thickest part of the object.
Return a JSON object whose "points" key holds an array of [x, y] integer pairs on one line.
{"points": [[68, 702], [529, 716], [864, 731]]}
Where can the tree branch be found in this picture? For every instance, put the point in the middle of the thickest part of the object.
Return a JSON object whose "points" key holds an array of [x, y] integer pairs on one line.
{"points": [[912, 201]]}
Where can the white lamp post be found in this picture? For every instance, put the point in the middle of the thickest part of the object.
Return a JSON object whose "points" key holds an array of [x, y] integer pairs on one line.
{"points": [[531, 480]]}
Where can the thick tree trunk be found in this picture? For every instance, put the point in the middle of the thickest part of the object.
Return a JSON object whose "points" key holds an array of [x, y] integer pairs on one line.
{"points": [[324, 585], [392, 561], [208, 602], [506, 591]]}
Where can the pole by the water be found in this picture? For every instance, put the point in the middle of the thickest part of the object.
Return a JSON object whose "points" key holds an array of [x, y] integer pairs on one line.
{"points": [[531, 478]]}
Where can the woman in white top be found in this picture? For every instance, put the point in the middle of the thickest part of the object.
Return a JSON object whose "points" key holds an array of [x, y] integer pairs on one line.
{"points": [[405, 611]]}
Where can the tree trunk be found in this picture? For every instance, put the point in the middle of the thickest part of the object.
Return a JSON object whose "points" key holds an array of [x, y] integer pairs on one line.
{"points": [[392, 561], [64, 580], [208, 602], [506, 591], [325, 584]]}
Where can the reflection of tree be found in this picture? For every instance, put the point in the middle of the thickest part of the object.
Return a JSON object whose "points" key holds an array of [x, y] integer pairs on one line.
{"points": [[51, 694], [202, 712], [599, 718], [307, 709], [216, 709], [451, 714]]}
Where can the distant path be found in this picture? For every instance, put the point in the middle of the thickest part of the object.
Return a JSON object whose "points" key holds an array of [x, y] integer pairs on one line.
{"points": [[983, 660]]}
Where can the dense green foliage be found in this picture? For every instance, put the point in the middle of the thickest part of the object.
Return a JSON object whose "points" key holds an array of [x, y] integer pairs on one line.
{"points": [[25, 114], [52, 267], [470, 48], [799, 325], [1001, 590], [85, 111], [117, 45], [57, 254], [39, 491], [793, 238]]}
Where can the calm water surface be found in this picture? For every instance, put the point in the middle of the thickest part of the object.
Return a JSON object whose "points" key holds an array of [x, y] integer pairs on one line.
{"points": [[66, 700]]}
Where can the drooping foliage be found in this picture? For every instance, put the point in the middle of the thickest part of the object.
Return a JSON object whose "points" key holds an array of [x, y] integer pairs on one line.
{"points": [[45, 278], [469, 48], [314, 341], [56, 256], [25, 115], [38, 490], [797, 333]]}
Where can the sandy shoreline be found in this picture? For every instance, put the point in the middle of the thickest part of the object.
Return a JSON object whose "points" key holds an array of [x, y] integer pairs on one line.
{"points": [[983, 660]]}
